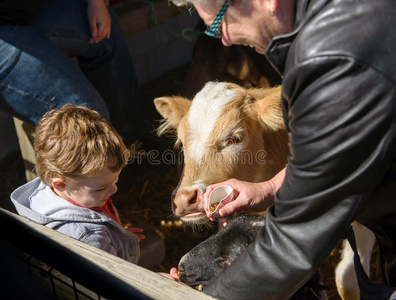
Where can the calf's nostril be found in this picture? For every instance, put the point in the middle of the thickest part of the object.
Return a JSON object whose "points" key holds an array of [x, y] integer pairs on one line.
{"points": [[181, 268], [193, 198]]}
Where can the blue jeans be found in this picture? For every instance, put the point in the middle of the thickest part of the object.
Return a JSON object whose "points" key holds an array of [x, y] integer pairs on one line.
{"points": [[36, 75]]}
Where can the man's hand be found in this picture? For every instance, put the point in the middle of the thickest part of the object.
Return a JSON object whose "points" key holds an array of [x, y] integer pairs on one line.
{"points": [[249, 197]]}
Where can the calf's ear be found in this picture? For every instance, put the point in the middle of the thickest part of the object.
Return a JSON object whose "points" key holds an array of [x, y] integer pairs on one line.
{"points": [[172, 109], [268, 108]]}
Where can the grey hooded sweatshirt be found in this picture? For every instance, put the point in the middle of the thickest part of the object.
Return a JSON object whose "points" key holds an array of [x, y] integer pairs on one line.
{"points": [[37, 202]]}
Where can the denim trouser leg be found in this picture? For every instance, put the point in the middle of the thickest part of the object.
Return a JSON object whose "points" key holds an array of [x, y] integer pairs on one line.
{"points": [[107, 64], [36, 76]]}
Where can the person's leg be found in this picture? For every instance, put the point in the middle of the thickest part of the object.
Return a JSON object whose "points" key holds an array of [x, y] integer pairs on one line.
{"points": [[35, 76], [120, 90], [108, 64]]}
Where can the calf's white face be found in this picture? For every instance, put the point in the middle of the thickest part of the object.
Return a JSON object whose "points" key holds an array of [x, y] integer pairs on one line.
{"points": [[225, 132]]}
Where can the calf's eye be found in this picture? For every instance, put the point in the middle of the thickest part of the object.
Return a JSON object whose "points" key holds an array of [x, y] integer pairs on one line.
{"points": [[232, 140]]}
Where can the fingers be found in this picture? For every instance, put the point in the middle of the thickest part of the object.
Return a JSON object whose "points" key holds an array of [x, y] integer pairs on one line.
{"points": [[136, 231], [103, 30], [225, 223], [209, 189], [233, 183], [229, 208], [140, 237], [99, 32], [94, 30], [174, 273], [99, 21]]}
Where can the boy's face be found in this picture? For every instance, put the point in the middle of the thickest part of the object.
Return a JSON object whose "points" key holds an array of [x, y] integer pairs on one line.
{"points": [[88, 191]]}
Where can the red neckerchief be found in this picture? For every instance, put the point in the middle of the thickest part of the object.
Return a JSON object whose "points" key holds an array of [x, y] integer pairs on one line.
{"points": [[107, 208]]}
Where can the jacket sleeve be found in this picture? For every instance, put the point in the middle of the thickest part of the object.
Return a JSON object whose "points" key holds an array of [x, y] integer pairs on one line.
{"points": [[342, 141], [99, 238]]}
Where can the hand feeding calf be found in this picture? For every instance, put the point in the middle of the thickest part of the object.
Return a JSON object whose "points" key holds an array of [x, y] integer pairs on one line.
{"points": [[208, 259], [229, 132]]}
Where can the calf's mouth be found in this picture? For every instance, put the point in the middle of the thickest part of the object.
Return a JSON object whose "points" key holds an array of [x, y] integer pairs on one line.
{"points": [[196, 218], [191, 279]]}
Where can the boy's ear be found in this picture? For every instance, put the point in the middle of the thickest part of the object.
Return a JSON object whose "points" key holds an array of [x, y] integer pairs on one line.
{"points": [[58, 184]]}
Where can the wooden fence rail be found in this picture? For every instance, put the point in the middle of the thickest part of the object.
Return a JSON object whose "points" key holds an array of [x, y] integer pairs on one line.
{"points": [[106, 274]]}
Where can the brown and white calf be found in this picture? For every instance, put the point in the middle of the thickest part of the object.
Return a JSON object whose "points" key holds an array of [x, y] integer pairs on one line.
{"points": [[226, 132], [231, 132]]}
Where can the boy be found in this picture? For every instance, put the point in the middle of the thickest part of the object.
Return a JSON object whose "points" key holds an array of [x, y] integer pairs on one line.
{"points": [[79, 159]]}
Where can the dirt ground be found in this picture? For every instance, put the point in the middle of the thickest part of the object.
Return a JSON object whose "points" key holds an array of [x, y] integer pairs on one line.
{"points": [[145, 187]]}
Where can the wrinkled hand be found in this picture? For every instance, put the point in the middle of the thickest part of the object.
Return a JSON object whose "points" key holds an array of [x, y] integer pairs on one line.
{"points": [[99, 20], [135, 230], [248, 196]]}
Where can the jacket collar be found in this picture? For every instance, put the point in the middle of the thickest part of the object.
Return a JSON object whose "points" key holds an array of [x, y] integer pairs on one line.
{"points": [[278, 48]]}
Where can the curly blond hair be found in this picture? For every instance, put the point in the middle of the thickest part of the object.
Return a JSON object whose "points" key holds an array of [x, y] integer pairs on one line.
{"points": [[76, 141]]}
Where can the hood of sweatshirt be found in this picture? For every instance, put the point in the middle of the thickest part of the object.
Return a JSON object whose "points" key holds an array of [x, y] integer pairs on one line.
{"points": [[37, 202]]}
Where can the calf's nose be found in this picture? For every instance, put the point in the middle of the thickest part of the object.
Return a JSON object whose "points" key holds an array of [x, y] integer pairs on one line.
{"points": [[181, 268], [185, 202]]}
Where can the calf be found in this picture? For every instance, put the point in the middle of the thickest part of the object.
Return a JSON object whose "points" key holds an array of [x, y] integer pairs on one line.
{"points": [[208, 259], [226, 132]]}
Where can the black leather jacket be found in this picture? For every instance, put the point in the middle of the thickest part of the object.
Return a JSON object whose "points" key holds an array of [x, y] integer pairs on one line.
{"points": [[339, 102]]}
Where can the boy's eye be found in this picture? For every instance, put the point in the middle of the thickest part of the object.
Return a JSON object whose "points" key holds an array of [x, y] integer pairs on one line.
{"points": [[101, 189]]}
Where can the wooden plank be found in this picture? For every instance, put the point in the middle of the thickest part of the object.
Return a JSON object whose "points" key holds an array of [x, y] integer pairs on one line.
{"points": [[135, 16], [147, 282]]}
